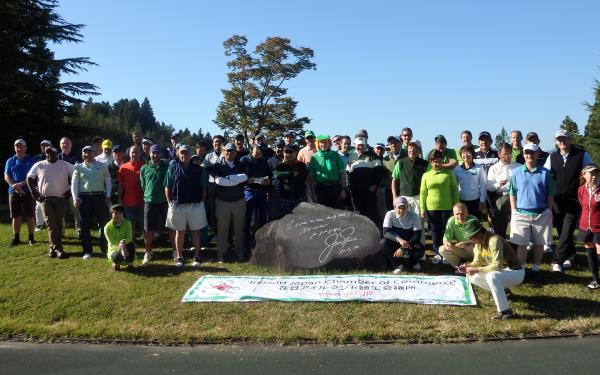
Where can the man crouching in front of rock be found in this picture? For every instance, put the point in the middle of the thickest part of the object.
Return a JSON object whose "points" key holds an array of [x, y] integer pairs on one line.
{"points": [[401, 242], [121, 249], [490, 255]]}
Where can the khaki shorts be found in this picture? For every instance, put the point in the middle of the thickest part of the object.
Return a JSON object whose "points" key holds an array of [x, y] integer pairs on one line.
{"points": [[190, 216], [535, 229]]}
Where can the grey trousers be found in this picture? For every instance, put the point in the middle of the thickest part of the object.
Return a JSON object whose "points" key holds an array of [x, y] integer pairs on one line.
{"points": [[53, 210], [228, 213]]}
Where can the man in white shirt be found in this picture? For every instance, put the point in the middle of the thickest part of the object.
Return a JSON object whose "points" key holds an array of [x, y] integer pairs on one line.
{"points": [[106, 155], [51, 190], [498, 181]]}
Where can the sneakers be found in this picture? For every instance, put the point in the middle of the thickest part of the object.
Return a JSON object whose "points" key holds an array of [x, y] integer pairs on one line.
{"points": [[556, 267], [530, 247], [60, 254], [147, 259], [51, 253], [179, 263], [437, 259], [15, 242], [86, 256], [398, 269], [31, 241], [416, 267], [567, 264], [38, 228], [593, 285], [548, 249], [196, 262], [504, 315]]}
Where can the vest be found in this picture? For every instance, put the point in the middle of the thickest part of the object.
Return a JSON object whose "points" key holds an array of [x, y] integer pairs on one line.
{"points": [[567, 175]]}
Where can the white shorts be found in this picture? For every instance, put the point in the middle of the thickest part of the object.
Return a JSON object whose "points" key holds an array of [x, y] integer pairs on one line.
{"points": [[535, 229], [190, 216]]}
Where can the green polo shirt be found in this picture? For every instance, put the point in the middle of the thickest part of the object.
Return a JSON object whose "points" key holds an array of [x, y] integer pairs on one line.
{"points": [[326, 166], [455, 231], [152, 179], [515, 153], [439, 190]]}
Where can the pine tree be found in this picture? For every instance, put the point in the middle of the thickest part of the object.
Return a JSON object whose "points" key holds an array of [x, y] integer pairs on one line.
{"points": [[592, 129]]}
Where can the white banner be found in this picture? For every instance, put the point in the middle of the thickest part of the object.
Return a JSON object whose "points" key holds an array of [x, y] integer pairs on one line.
{"points": [[441, 290]]}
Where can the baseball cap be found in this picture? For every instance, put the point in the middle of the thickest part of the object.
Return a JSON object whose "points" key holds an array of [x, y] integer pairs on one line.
{"points": [[20, 142], [589, 168], [46, 143], [380, 145], [485, 134], [309, 133], [155, 148], [107, 144], [440, 139], [400, 201], [88, 148], [392, 138], [323, 137], [184, 147], [360, 141], [229, 146], [146, 140], [117, 207], [561, 133], [530, 147], [52, 148], [118, 148], [415, 142]]}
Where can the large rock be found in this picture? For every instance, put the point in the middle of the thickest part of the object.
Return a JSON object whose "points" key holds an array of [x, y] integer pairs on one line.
{"points": [[314, 236]]}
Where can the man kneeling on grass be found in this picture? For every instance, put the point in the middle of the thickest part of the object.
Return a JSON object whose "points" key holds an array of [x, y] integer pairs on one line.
{"points": [[490, 254], [401, 242], [121, 249]]}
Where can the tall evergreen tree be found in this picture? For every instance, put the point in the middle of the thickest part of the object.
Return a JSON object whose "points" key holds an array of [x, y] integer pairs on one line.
{"points": [[592, 129], [501, 138]]}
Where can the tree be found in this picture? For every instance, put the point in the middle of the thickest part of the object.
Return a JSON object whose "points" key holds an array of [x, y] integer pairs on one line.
{"points": [[32, 94], [257, 101], [501, 138], [572, 129], [592, 129], [146, 116]]}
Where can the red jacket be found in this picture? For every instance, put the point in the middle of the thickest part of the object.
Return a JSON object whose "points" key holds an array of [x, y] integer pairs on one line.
{"points": [[590, 209]]}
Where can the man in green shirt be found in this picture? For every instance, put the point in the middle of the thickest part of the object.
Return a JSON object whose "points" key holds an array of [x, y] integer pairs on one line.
{"points": [[457, 248], [326, 174], [516, 139], [495, 266], [449, 158], [152, 179], [121, 249]]}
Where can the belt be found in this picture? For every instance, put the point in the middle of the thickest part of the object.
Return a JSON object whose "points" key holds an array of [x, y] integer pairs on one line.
{"points": [[92, 193]]}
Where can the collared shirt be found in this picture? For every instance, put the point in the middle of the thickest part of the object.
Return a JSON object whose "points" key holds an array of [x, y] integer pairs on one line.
{"points": [[455, 231], [129, 179], [326, 166], [532, 189], [364, 170], [211, 159], [152, 180], [53, 179], [486, 158], [17, 169], [499, 172], [274, 162], [305, 154], [105, 158], [472, 182], [90, 177], [493, 253]]}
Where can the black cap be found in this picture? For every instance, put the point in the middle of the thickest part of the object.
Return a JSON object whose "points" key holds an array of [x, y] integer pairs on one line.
{"points": [[485, 134]]}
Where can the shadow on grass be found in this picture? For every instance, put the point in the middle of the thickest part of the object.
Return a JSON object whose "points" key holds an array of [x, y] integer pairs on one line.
{"points": [[559, 307], [162, 270]]}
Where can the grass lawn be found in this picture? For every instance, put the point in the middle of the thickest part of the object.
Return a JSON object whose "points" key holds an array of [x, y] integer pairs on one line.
{"points": [[43, 298]]}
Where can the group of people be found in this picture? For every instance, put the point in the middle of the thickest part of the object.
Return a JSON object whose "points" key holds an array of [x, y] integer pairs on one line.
{"points": [[235, 189]]}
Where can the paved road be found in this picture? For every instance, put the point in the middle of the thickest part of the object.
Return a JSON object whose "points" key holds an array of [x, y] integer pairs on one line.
{"points": [[557, 356]]}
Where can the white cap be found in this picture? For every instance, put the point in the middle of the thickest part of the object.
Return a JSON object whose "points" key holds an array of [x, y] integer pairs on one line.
{"points": [[561, 133], [531, 147], [416, 142], [360, 141], [20, 142]]}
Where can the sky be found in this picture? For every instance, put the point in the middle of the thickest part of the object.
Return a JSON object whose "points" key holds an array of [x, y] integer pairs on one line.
{"points": [[436, 66]]}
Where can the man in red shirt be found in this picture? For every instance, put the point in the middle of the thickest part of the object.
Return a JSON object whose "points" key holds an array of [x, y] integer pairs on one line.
{"points": [[131, 195]]}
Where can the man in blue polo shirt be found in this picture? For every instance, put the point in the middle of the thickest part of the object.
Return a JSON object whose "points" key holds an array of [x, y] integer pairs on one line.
{"points": [[531, 194], [19, 199]]}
